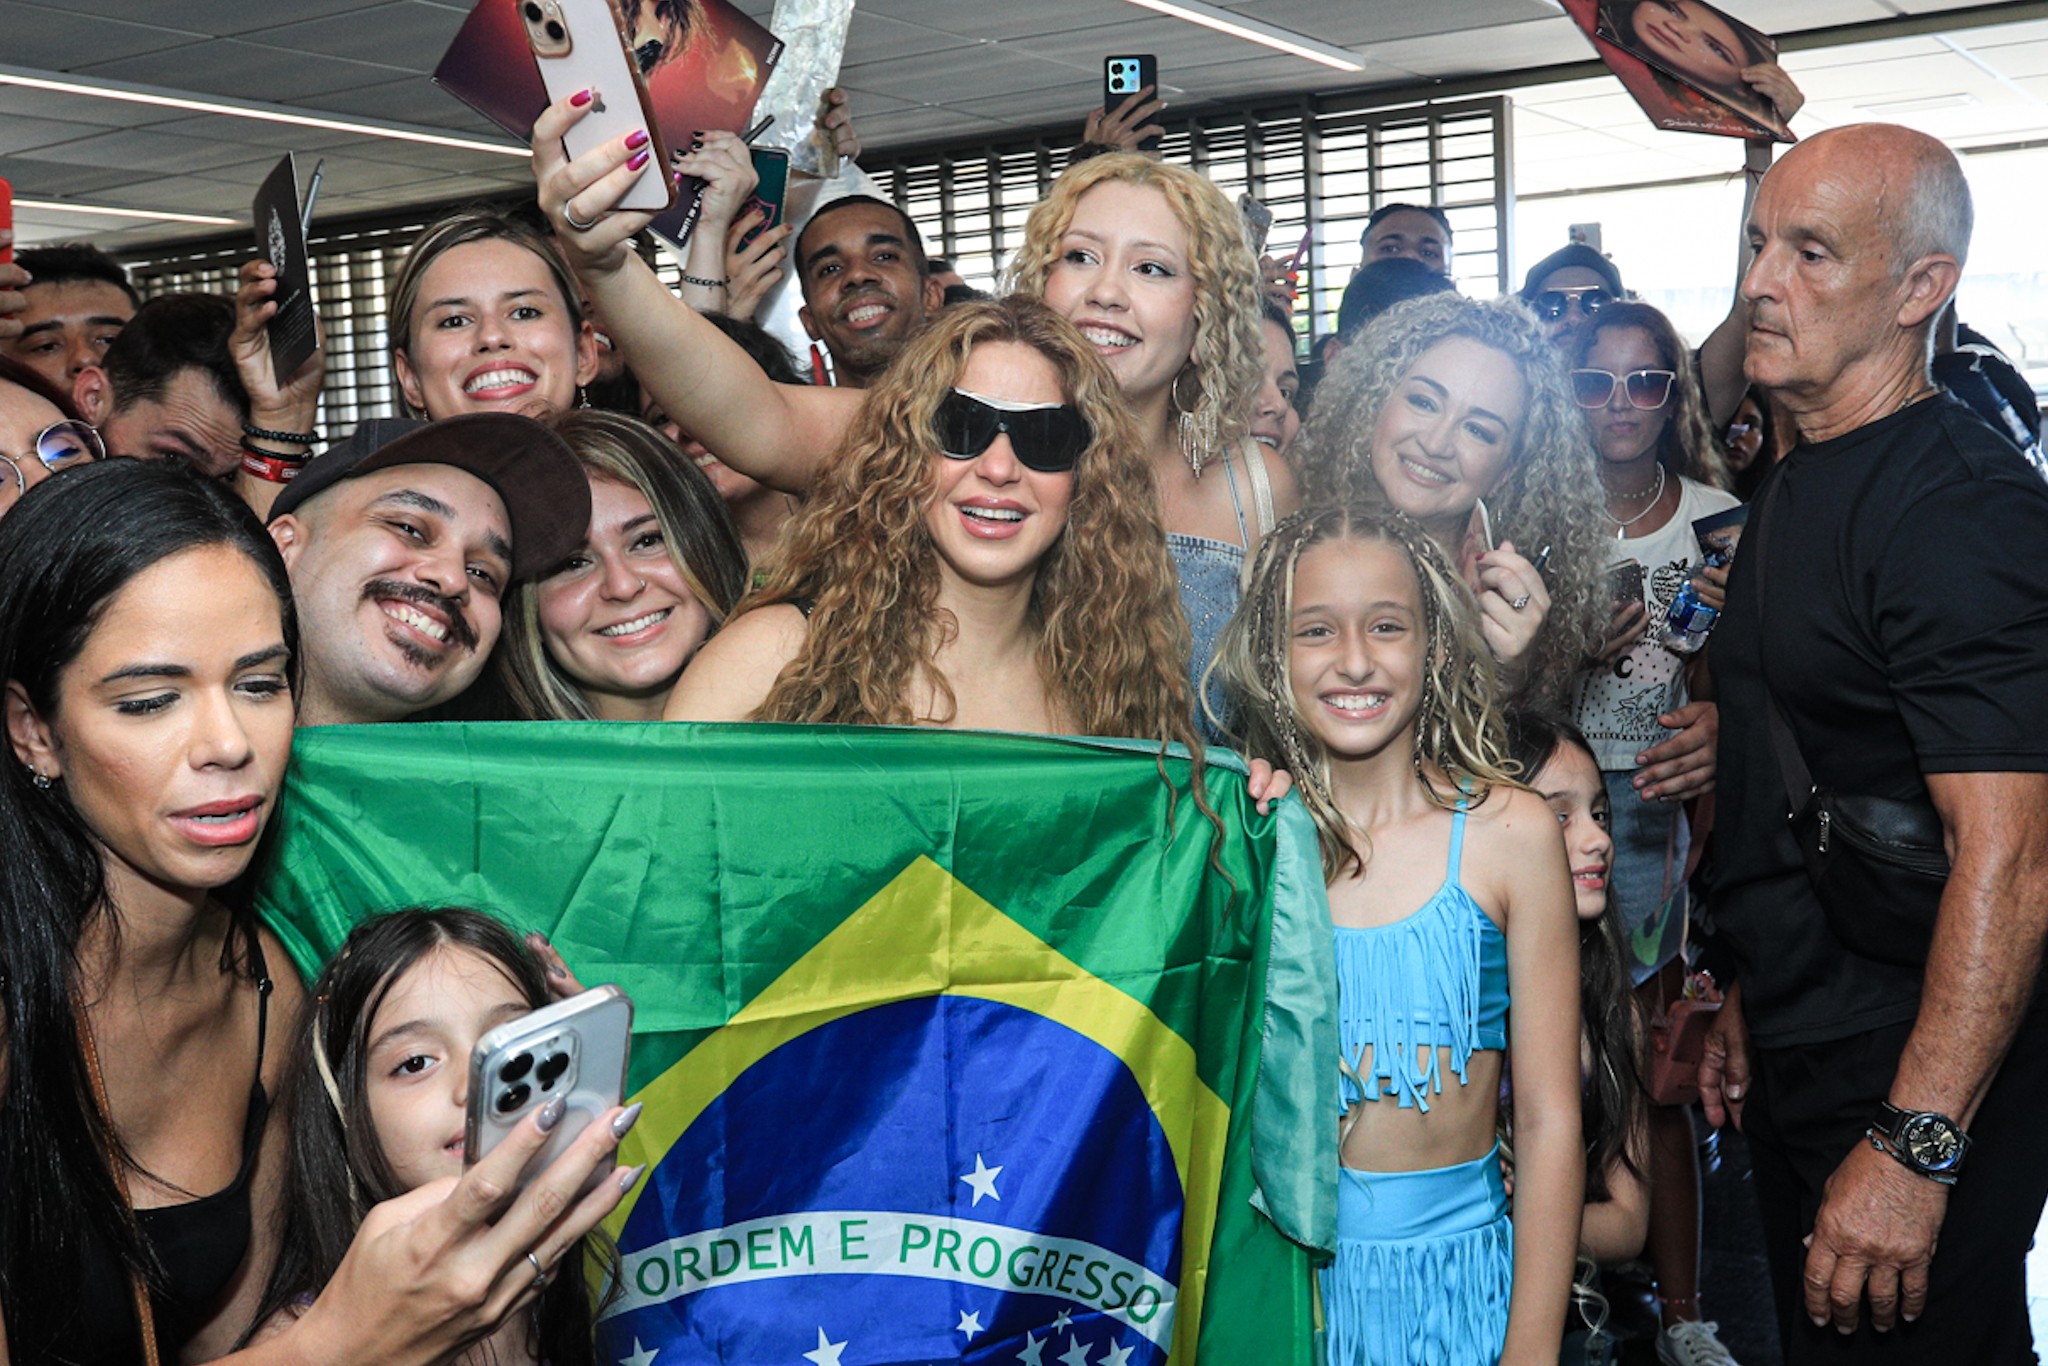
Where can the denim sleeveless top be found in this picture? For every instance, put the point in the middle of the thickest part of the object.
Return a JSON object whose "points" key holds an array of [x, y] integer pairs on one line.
{"points": [[1435, 980], [1211, 582]]}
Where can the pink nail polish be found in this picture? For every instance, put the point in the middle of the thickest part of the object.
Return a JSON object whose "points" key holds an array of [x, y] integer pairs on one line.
{"points": [[580, 98], [637, 138], [639, 160]]}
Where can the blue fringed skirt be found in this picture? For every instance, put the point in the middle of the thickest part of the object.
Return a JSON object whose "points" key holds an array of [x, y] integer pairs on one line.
{"points": [[1424, 1265]]}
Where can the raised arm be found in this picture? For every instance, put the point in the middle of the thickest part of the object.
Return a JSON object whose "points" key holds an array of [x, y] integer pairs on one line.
{"points": [[1721, 354], [776, 433]]}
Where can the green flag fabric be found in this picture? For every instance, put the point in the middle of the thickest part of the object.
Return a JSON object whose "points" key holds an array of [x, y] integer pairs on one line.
{"points": [[954, 1046]]}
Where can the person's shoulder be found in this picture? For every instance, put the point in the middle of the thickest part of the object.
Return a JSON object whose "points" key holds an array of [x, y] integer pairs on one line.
{"points": [[1956, 445], [1514, 821], [1705, 499], [738, 666]]}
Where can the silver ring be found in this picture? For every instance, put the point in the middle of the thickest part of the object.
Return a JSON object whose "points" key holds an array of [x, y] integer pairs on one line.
{"points": [[1519, 603], [540, 1276], [569, 217]]}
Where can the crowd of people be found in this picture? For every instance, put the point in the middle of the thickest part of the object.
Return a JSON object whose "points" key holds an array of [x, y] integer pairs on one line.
{"points": [[1434, 581]]}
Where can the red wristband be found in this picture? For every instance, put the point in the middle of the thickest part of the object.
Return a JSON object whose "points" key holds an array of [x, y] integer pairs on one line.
{"points": [[275, 469]]}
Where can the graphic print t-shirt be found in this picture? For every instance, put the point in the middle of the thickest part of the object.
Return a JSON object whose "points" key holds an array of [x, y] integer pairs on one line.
{"points": [[1619, 703]]}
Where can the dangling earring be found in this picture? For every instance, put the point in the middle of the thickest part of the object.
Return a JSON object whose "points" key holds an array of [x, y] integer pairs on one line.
{"points": [[1197, 427], [582, 397]]}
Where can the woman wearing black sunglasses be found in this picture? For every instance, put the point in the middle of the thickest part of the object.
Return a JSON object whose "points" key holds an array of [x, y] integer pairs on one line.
{"points": [[983, 553], [1661, 470]]}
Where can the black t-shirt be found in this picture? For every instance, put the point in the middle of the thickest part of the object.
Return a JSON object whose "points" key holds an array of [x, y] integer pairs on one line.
{"points": [[1906, 633]]}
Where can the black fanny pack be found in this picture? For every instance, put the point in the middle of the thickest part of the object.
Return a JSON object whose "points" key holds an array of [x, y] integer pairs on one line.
{"points": [[1878, 865]]}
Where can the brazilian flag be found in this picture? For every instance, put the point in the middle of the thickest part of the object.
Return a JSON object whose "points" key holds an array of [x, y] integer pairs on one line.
{"points": [[955, 1047]]}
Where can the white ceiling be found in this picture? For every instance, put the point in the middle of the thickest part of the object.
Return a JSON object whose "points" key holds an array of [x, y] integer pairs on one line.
{"points": [[919, 70]]}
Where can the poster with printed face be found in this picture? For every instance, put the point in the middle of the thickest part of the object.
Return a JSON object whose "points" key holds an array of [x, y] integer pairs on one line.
{"points": [[1681, 61], [705, 63]]}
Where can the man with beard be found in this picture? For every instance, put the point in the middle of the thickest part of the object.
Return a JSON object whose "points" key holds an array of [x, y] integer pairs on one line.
{"points": [[401, 543], [867, 285]]}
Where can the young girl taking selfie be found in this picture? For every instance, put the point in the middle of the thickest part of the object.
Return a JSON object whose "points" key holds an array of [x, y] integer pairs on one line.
{"points": [[378, 1106], [1356, 657]]}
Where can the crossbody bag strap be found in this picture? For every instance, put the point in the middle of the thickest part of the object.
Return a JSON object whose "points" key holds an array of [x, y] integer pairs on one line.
{"points": [[1793, 773], [1263, 519], [145, 1313]]}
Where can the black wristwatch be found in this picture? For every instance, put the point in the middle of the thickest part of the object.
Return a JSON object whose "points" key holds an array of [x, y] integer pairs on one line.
{"points": [[1925, 1142]]}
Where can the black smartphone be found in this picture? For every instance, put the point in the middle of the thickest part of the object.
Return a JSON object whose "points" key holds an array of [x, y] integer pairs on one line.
{"points": [[1125, 76], [771, 164]]}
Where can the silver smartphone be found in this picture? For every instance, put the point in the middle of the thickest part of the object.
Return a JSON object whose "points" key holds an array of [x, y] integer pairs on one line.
{"points": [[582, 45], [576, 1049]]}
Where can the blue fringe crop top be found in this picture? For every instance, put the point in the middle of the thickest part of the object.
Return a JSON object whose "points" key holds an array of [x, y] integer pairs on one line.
{"points": [[1433, 981]]}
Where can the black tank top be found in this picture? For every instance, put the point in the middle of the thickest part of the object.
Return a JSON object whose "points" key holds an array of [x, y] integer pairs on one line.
{"points": [[199, 1244]]}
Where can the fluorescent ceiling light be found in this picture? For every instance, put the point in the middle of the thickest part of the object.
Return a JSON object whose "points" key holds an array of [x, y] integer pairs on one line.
{"points": [[247, 109], [158, 215], [1253, 31]]}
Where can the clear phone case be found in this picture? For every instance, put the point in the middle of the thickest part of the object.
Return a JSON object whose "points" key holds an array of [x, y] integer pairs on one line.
{"points": [[576, 1049], [581, 45]]}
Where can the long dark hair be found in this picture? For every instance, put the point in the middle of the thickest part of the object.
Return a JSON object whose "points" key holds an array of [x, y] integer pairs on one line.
{"points": [[67, 549], [338, 1167], [1687, 446], [1612, 1103]]}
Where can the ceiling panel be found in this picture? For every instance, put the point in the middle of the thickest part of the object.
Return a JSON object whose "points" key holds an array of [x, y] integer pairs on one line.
{"points": [[921, 71]]}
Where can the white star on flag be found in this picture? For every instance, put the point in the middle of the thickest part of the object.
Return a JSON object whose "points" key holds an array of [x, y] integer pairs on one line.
{"points": [[1118, 1356], [828, 1351], [970, 1324], [1065, 1320], [641, 1356], [1076, 1353], [982, 1181], [1034, 1350]]}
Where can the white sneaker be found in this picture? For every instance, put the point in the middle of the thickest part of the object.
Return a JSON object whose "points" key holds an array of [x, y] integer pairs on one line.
{"points": [[1692, 1344]]}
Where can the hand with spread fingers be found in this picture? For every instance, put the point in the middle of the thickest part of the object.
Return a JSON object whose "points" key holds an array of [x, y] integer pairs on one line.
{"points": [[1129, 124]]}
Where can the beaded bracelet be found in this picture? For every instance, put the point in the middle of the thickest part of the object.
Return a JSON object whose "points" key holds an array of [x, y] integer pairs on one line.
{"points": [[283, 438], [702, 283]]}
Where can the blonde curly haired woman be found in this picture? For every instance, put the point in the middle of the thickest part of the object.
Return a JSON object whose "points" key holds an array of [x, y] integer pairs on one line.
{"points": [[1149, 260], [1458, 414], [981, 553]]}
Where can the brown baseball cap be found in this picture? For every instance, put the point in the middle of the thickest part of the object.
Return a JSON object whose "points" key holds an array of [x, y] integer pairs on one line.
{"points": [[531, 468]]}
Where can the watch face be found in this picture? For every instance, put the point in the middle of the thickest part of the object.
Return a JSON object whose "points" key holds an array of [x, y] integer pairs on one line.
{"points": [[1932, 1142]]}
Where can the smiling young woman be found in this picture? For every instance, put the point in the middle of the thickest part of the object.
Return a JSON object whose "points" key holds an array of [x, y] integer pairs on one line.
{"points": [[485, 317]]}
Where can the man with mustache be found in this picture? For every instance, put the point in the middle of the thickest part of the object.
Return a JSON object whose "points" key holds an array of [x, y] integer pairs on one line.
{"points": [[868, 287], [1885, 638], [402, 542]]}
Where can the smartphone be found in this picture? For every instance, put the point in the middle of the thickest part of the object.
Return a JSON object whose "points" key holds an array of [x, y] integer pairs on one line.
{"points": [[1258, 222], [1625, 582], [582, 45], [771, 164], [6, 218], [576, 1049], [1125, 76], [1483, 520]]}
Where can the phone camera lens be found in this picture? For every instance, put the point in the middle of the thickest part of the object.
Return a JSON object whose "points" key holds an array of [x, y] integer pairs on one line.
{"points": [[513, 1098], [533, 12], [550, 1071], [555, 31], [517, 1068]]}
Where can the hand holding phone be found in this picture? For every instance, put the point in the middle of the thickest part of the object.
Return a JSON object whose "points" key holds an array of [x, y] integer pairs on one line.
{"points": [[1123, 115], [582, 50], [575, 1051]]}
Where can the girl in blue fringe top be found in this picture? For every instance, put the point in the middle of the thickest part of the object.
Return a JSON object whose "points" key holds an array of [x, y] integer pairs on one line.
{"points": [[1356, 656]]}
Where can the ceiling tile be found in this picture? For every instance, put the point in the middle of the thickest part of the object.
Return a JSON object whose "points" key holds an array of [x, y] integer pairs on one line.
{"points": [[409, 99], [33, 179], [400, 34], [18, 134], [142, 148], [242, 70], [59, 39], [221, 18]]}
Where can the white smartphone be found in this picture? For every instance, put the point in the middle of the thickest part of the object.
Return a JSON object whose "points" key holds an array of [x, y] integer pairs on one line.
{"points": [[576, 1049], [582, 45]]}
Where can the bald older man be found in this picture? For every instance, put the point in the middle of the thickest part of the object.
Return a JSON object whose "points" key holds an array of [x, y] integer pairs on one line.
{"points": [[1894, 1089]]}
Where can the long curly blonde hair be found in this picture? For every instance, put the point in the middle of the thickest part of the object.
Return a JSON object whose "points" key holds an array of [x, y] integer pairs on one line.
{"points": [[1218, 385], [1112, 642], [1550, 494], [1460, 736], [1686, 446]]}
